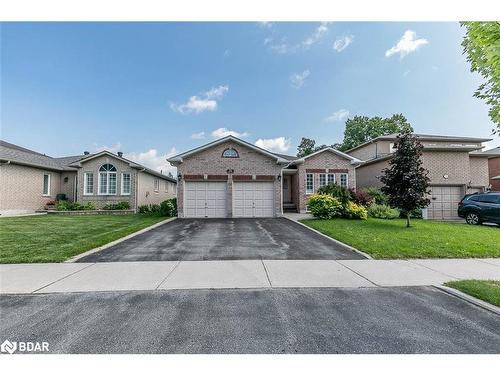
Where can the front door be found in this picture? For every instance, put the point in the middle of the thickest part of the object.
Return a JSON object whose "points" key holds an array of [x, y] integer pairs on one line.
{"points": [[287, 189]]}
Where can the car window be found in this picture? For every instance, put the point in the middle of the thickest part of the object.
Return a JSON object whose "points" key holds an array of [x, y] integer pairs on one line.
{"points": [[475, 198], [490, 198]]}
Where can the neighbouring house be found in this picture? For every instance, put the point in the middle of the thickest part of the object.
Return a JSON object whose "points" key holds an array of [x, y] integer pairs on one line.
{"points": [[29, 180], [493, 156], [230, 177], [455, 164]]}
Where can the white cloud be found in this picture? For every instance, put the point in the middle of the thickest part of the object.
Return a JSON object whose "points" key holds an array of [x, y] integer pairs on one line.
{"points": [[265, 24], [280, 144], [406, 45], [113, 148], [224, 132], [339, 115], [316, 36], [205, 102], [154, 160], [297, 80], [199, 135], [283, 46], [341, 43]]}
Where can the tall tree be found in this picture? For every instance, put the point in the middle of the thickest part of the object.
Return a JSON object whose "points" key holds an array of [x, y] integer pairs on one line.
{"points": [[405, 181], [482, 46], [361, 129], [306, 147]]}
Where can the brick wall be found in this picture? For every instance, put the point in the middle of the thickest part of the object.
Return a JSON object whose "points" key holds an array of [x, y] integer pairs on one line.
{"points": [[21, 190], [479, 171], [211, 162], [494, 170], [368, 175], [146, 193], [323, 161], [93, 166]]}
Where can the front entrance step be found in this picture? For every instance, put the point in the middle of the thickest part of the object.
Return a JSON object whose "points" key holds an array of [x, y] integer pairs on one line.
{"points": [[289, 207]]}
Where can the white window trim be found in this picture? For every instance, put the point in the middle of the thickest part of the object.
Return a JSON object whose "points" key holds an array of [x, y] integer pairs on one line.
{"points": [[48, 185], [326, 179], [346, 180], [85, 183], [156, 189], [107, 183], [121, 183], [334, 178], [166, 186], [309, 192]]}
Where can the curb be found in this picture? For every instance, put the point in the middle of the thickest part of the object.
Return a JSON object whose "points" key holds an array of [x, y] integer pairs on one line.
{"points": [[468, 298], [331, 239], [112, 243]]}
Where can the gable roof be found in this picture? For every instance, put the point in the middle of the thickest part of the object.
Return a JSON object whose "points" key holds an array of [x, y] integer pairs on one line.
{"points": [[423, 137], [330, 149], [19, 155], [179, 158]]}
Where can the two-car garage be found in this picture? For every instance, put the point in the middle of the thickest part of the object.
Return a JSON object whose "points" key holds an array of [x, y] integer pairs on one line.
{"points": [[210, 199]]}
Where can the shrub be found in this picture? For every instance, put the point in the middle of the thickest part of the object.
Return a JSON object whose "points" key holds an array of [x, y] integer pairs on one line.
{"points": [[382, 211], [168, 207], [336, 191], [414, 214], [144, 209], [154, 208], [378, 196], [117, 206], [324, 206], [89, 206], [361, 197], [355, 211]]}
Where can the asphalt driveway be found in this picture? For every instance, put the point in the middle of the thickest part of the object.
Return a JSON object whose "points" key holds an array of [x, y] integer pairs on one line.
{"points": [[363, 320], [225, 239]]}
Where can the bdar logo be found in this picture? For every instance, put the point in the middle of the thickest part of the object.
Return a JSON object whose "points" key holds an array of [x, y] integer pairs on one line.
{"points": [[8, 347]]}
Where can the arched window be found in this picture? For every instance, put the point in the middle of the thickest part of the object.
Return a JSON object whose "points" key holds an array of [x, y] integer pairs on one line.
{"points": [[107, 179], [230, 153]]}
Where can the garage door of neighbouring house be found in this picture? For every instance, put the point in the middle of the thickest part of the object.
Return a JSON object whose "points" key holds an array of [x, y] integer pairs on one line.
{"points": [[444, 202], [253, 199], [205, 199]]}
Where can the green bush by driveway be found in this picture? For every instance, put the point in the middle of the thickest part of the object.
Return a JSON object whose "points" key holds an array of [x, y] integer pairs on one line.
{"points": [[487, 290], [55, 238], [389, 239]]}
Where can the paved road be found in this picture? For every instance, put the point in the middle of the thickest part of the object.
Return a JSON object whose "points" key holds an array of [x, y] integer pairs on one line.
{"points": [[224, 239], [364, 320]]}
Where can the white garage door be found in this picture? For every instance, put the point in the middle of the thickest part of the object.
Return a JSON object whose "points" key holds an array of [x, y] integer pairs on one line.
{"points": [[253, 199], [205, 199], [444, 202]]}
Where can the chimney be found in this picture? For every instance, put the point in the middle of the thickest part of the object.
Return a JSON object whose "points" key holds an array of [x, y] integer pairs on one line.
{"points": [[120, 154], [86, 153]]}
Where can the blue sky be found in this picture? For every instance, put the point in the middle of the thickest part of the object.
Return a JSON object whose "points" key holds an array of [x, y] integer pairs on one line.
{"points": [[154, 89]]}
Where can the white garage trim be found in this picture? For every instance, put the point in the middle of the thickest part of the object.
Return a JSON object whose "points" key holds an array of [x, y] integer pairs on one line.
{"points": [[253, 199], [205, 199]]}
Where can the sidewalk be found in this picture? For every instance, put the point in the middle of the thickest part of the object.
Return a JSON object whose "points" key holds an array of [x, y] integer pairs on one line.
{"points": [[120, 276]]}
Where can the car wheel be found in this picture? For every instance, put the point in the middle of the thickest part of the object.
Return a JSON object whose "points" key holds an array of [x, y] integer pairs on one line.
{"points": [[472, 218]]}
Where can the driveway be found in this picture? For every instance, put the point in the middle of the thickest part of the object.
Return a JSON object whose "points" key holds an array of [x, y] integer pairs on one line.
{"points": [[362, 320], [225, 239]]}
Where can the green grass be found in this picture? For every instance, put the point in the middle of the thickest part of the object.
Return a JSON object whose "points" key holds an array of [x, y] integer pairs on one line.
{"points": [[389, 239], [487, 290], [55, 238]]}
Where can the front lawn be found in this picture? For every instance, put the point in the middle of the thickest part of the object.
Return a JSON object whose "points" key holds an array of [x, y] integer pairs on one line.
{"points": [[487, 290], [388, 239], [55, 238]]}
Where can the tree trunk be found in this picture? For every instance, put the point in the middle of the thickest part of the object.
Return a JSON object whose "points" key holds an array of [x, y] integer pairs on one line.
{"points": [[407, 220]]}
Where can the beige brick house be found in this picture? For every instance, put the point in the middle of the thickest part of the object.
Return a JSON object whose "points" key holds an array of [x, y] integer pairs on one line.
{"points": [[233, 178], [30, 179], [455, 168]]}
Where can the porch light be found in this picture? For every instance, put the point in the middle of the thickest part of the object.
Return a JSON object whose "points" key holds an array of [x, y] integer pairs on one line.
{"points": [[279, 177], [179, 177]]}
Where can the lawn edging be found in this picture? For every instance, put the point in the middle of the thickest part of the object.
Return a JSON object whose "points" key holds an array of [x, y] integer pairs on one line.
{"points": [[330, 238], [112, 243], [468, 298]]}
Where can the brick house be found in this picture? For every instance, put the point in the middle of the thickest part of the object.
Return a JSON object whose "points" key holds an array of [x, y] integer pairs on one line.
{"points": [[455, 164], [493, 167], [230, 177], [31, 179]]}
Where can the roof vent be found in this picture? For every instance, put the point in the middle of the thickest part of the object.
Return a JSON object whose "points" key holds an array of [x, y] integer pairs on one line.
{"points": [[120, 154], [86, 153]]}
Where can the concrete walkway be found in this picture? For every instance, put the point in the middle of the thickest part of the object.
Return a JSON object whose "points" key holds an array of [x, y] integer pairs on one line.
{"points": [[121, 276]]}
